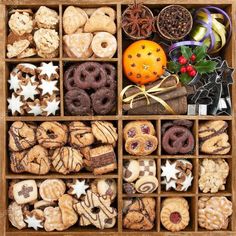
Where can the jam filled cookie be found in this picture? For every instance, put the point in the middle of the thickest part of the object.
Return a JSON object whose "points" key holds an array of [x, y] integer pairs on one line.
{"points": [[175, 214], [21, 136], [52, 135]]}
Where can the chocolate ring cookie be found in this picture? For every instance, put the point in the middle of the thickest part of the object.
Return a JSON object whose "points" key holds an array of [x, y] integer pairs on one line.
{"points": [[52, 135], [69, 79], [178, 139], [111, 75], [78, 102], [21, 136], [90, 75], [103, 101]]}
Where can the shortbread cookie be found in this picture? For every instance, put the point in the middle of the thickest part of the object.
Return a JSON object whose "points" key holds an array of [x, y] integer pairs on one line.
{"points": [[52, 189], [146, 184], [21, 23], [18, 47], [53, 219], [42, 204], [107, 187], [52, 135], [214, 212], [78, 45], [80, 135], [140, 214], [15, 215], [104, 45], [104, 132], [88, 216], [141, 145], [21, 136], [25, 191], [69, 217], [134, 128], [66, 160], [147, 167], [73, 19], [131, 170], [46, 18], [103, 159]]}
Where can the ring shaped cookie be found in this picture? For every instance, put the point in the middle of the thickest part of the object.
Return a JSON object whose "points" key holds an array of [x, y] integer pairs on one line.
{"points": [[51, 135], [90, 75], [21, 136], [69, 80], [103, 101], [78, 102], [178, 139], [104, 45], [111, 75]]}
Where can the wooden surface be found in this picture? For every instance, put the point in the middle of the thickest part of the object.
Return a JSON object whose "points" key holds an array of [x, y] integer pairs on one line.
{"points": [[119, 119]]}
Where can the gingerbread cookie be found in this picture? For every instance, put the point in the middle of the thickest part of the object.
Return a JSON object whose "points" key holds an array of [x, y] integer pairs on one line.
{"points": [[52, 189], [86, 210], [80, 135], [175, 214], [66, 160], [52, 135], [25, 191]]}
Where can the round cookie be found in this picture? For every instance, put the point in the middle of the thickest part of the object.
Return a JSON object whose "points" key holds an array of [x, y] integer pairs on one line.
{"points": [[146, 184], [130, 170], [107, 187], [104, 132], [51, 135], [52, 189], [80, 135], [111, 76], [141, 145], [25, 191], [104, 45], [134, 128], [21, 136]]}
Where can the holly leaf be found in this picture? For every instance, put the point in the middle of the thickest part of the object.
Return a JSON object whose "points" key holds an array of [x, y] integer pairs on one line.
{"points": [[186, 52], [173, 66], [205, 66], [185, 78], [200, 53]]}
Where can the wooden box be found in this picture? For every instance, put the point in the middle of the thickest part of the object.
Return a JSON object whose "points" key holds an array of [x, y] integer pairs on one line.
{"points": [[119, 119]]}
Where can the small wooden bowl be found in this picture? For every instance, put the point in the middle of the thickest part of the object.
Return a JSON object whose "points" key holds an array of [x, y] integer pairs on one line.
{"points": [[169, 37]]}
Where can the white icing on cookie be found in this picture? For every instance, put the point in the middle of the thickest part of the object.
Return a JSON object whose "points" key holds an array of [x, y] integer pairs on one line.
{"points": [[48, 87]]}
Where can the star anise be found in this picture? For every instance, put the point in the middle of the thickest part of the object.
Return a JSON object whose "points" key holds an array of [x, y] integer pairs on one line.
{"points": [[138, 21]]}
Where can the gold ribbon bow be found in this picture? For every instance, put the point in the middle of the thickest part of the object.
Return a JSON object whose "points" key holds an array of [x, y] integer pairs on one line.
{"points": [[148, 93]]}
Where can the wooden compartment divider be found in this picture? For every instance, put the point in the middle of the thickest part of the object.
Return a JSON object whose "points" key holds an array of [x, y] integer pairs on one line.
{"points": [[192, 195]]}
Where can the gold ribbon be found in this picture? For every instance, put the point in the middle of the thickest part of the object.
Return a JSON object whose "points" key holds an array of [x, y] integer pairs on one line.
{"points": [[148, 93]]}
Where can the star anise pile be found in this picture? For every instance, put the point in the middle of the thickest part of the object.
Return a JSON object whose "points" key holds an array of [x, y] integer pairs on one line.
{"points": [[138, 21]]}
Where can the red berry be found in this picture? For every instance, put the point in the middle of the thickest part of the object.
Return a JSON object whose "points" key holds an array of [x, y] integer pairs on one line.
{"points": [[182, 60], [193, 57], [189, 68], [183, 69], [192, 73]]}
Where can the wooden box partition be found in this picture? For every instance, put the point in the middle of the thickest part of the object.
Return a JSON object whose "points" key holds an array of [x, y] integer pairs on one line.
{"points": [[119, 119]]}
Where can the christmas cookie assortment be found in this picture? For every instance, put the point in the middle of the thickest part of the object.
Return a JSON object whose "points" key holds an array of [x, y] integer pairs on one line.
{"points": [[118, 118], [56, 204]]}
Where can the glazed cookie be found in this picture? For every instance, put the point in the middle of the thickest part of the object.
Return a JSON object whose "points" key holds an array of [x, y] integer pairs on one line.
{"points": [[104, 132], [46, 18], [107, 187], [52, 189], [147, 167], [104, 45], [88, 216], [175, 214], [131, 170], [66, 160], [141, 145], [135, 128], [15, 215], [146, 184], [140, 214], [103, 159], [80, 135], [21, 136], [51, 135], [25, 191]]}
